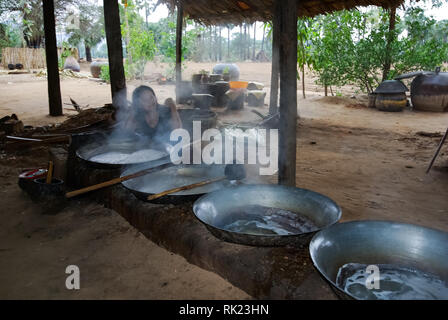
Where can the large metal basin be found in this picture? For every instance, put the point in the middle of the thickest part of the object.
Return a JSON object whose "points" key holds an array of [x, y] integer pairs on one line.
{"points": [[88, 151], [173, 177], [379, 242], [219, 206]]}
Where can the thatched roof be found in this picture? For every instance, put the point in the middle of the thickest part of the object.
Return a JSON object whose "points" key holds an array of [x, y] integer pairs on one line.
{"points": [[238, 11]]}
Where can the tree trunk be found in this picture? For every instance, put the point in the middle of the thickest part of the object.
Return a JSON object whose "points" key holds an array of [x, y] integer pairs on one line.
{"points": [[88, 53], [51, 55], [303, 81], [390, 39], [219, 44], [242, 43], [179, 25], [255, 33], [128, 36], [245, 43], [210, 44], [275, 68], [215, 46], [287, 14], [262, 41], [303, 67], [115, 52], [228, 43], [146, 14]]}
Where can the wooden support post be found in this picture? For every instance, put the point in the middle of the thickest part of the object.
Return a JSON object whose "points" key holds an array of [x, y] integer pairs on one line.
{"points": [[180, 21], [115, 51], [273, 101], [51, 54], [287, 15]]}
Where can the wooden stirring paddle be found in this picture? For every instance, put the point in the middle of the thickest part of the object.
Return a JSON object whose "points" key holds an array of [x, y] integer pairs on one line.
{"points": [[117, 180], [231, 171]]}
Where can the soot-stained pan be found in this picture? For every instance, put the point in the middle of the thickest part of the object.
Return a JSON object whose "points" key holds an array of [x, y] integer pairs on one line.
{"points": [[91, 151], [173, 177], [266, 215]]}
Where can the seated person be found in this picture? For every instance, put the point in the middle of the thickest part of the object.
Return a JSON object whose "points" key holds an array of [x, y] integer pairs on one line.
{"points": [[151, 119]]}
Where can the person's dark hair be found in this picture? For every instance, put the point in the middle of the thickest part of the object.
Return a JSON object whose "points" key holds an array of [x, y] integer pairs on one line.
{"points": [[137, 94]]}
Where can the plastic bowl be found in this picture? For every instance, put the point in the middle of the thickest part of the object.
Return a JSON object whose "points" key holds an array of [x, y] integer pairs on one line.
{"points": [[238, 84]]}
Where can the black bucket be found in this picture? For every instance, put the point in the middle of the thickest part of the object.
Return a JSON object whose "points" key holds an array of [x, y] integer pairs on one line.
{"points": [[51, 196]]}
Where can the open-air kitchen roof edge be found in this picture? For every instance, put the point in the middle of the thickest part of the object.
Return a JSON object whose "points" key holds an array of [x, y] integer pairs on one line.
{"points": [[216, 12]]}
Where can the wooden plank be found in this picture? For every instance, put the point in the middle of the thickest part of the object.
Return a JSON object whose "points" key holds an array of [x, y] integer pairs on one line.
{"points": [[179, 51], [287, 15], [51, 54], [114, 51], [273, 101]]}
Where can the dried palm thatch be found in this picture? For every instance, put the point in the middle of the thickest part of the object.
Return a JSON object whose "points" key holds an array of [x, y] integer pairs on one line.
{"points": [[218, 12]]}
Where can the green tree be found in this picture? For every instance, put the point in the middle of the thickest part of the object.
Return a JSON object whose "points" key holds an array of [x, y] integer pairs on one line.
{"points": [[31, 15], [140, 45], [304, 57], [91, 28]]}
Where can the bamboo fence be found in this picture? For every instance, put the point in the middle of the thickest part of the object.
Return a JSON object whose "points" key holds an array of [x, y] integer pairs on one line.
{"points": [[30, 58]]}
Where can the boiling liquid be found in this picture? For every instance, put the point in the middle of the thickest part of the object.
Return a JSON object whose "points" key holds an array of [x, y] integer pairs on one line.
{"points": [[260, 220], [396, 283], [117, 157]]}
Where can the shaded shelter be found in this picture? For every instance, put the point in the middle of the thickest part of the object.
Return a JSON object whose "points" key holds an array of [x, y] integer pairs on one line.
{"points": [[283, 14]]}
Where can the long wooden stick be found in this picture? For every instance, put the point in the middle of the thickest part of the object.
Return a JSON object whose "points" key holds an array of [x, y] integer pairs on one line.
{"points": [[23, 139], [50, 172], [117, 180], [30, 144], [437, 151], [187, 187]]}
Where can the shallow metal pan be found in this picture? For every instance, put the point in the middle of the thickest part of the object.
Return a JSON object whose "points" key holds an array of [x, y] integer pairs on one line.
{"points": [[173, 177], [213, 208], [379, 242]]}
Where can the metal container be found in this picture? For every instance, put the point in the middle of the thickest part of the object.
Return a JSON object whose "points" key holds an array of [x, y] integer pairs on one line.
{"points": [[207, 118], [215, 77], [429, 90], [130, 145], [202, 101], [220, 98], [391, 96], [379, 242], [255, 98], [217, 209], [174, 177], [95, 68], [232, 69], [184, 92]]}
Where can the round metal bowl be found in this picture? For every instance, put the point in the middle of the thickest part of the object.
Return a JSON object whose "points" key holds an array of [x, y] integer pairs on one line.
{"points": [[88, 151], [173, 177], [217, 208], [377, 243]]}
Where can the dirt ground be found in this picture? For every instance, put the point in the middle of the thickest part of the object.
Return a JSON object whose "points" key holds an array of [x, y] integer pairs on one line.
{"points": [[371, 163], [115, 260]]}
